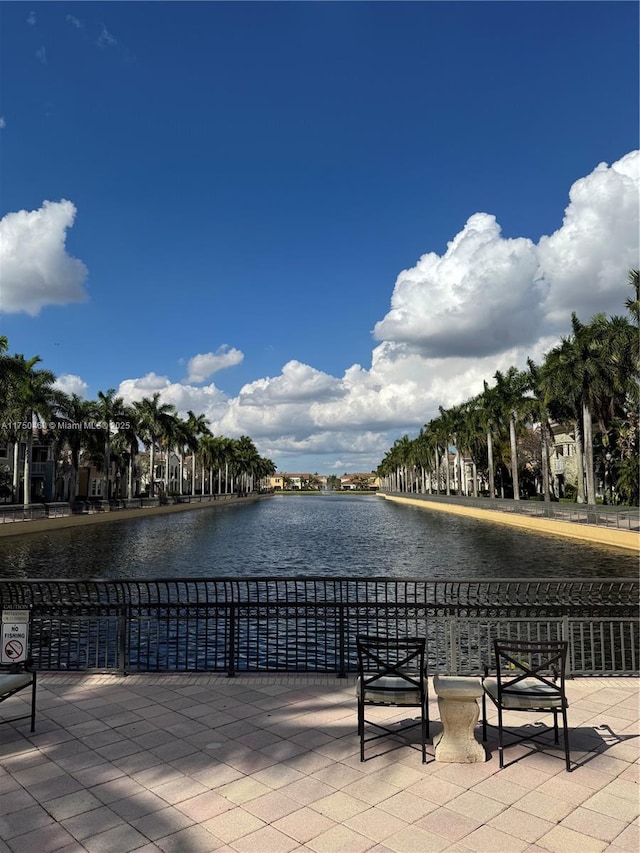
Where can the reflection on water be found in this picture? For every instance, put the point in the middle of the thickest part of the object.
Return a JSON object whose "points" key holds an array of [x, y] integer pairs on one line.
{"points": [[334, 535]]}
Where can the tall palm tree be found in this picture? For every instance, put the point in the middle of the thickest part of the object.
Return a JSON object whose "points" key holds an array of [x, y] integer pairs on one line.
{"points": [[154, 419], [511, 388], [108, 408], [198, 428], [78, 414]]}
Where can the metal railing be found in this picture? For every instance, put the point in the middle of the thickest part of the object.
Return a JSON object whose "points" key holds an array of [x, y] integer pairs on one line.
{"points": [[600, 515], [310, 624]]}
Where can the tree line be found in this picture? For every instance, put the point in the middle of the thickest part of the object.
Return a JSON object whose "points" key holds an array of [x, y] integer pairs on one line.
{"points": [[587, 385], [108, 435]]}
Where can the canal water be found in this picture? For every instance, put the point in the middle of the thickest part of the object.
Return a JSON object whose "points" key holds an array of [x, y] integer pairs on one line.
{"points": [[323, 535]]}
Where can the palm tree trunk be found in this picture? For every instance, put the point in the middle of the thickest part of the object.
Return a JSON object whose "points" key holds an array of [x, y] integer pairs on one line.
{"points": [[16, 473], [514, 458], [544, 435], [579, 463], [151, 467], [474, 469], [27, 467], [588, 454], [492, 485]]}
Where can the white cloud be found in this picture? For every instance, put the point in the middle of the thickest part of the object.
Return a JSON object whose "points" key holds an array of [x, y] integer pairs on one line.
{"points": [[487, 303], [31, 20], [73, 21], [487, 293], [36, 268], [203, 366], [41, 55], [3, 123], [72, 384], [105, 39]]}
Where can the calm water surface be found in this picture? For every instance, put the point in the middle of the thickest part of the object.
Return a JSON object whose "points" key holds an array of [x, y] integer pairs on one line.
{"points": [[336, 535]]}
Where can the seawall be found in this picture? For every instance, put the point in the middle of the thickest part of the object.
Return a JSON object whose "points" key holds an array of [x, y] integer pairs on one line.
{"points": [[627, 539], [40, 525]]}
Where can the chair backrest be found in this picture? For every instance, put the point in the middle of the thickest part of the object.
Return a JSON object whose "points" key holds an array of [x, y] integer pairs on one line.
{"points": [[542, 662], [401, 658]]}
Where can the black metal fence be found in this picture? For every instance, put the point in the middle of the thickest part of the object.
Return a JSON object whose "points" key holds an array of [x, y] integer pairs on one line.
{"points": [[310, 624]]}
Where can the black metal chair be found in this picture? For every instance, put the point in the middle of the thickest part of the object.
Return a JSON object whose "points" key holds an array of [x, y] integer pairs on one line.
{"points": [[530, 676], [391, 671], [13, 679]]}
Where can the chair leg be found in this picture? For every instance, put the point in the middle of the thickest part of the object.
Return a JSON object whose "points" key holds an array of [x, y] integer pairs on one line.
{"points": [[555, 727], [500, 739], [484, 717], [33, 704], [565, 732], [425, 729]]}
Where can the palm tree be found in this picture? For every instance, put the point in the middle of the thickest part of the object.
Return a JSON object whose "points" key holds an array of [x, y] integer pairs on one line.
{"points": [[77, 413], [108, 408], [198, 428], [154, 419], [511, 388]]}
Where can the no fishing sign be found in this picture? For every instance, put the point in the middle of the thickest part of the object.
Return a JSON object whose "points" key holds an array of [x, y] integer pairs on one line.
{"points": [[15, 635]]}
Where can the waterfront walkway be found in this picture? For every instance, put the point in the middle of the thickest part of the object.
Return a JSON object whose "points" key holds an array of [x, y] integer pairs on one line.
{"points": [[268, 763]]}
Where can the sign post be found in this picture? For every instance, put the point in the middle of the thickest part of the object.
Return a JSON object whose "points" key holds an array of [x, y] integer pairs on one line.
{"points": [[14, 636]]}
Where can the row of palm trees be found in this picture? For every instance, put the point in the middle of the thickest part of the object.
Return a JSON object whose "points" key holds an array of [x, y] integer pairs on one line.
{"points": [[107, 434], [587, 385]]}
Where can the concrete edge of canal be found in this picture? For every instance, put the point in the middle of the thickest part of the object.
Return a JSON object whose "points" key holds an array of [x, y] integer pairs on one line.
{"points": [[45, 525], [627, 539]]}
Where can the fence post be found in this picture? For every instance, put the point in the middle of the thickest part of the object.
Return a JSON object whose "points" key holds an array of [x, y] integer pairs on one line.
{"points": [[453, 656], [123, 622], [231, 671], [342, 672]]}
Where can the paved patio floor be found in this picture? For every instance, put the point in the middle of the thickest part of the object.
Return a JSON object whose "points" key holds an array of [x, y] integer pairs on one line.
{"points": [[196, 763]]}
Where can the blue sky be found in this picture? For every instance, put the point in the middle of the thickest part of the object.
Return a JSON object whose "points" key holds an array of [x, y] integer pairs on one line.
{"points": [[314, 222]]}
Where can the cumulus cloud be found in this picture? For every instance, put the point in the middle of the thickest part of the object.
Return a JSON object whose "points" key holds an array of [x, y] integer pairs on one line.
{"points": [[487, 303], [71, 19], [203, 366], [486, 293], [36, 267], [3, 123], [31, 20], [72, 384], [41, 55]]}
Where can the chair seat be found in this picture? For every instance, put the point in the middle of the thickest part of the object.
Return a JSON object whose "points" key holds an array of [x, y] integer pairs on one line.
{"points": [[391, 690], [528, 694], [14, 681]]}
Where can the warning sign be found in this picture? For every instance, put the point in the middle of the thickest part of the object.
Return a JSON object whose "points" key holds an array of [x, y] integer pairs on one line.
{"points": [[15, 628]]}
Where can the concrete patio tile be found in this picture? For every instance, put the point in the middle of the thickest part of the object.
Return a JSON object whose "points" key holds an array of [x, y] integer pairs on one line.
{"points": [[337, 775], [248, 761], [562, 840], [116, 789], [476, 806], [520, 824], [204, 806], [283, 749], [565, 787], [413, 839], [466, 775], [194, 839], [159, 774], [487, 838], [303, 824], [162, 823], [594, 824], [55, 787], [50, 837], [629, 838], [278, 775], [339, 806], [544, 806], [243, 790], [399, 775], [371, 790], [91, 776], [375, 824], [306, 791], [623, 788], [340, 839], [232, 824], [22, 820], [526, 777], [436, 790], [214, 775], [450, 824], [309, 762], [407, 806], [613, 806], [121, 838], [272, 806], [138, 806], [92, 822], [178, 789], [266, 839], [500, 789], [586, 776], [72, 804], [607, 764]]}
